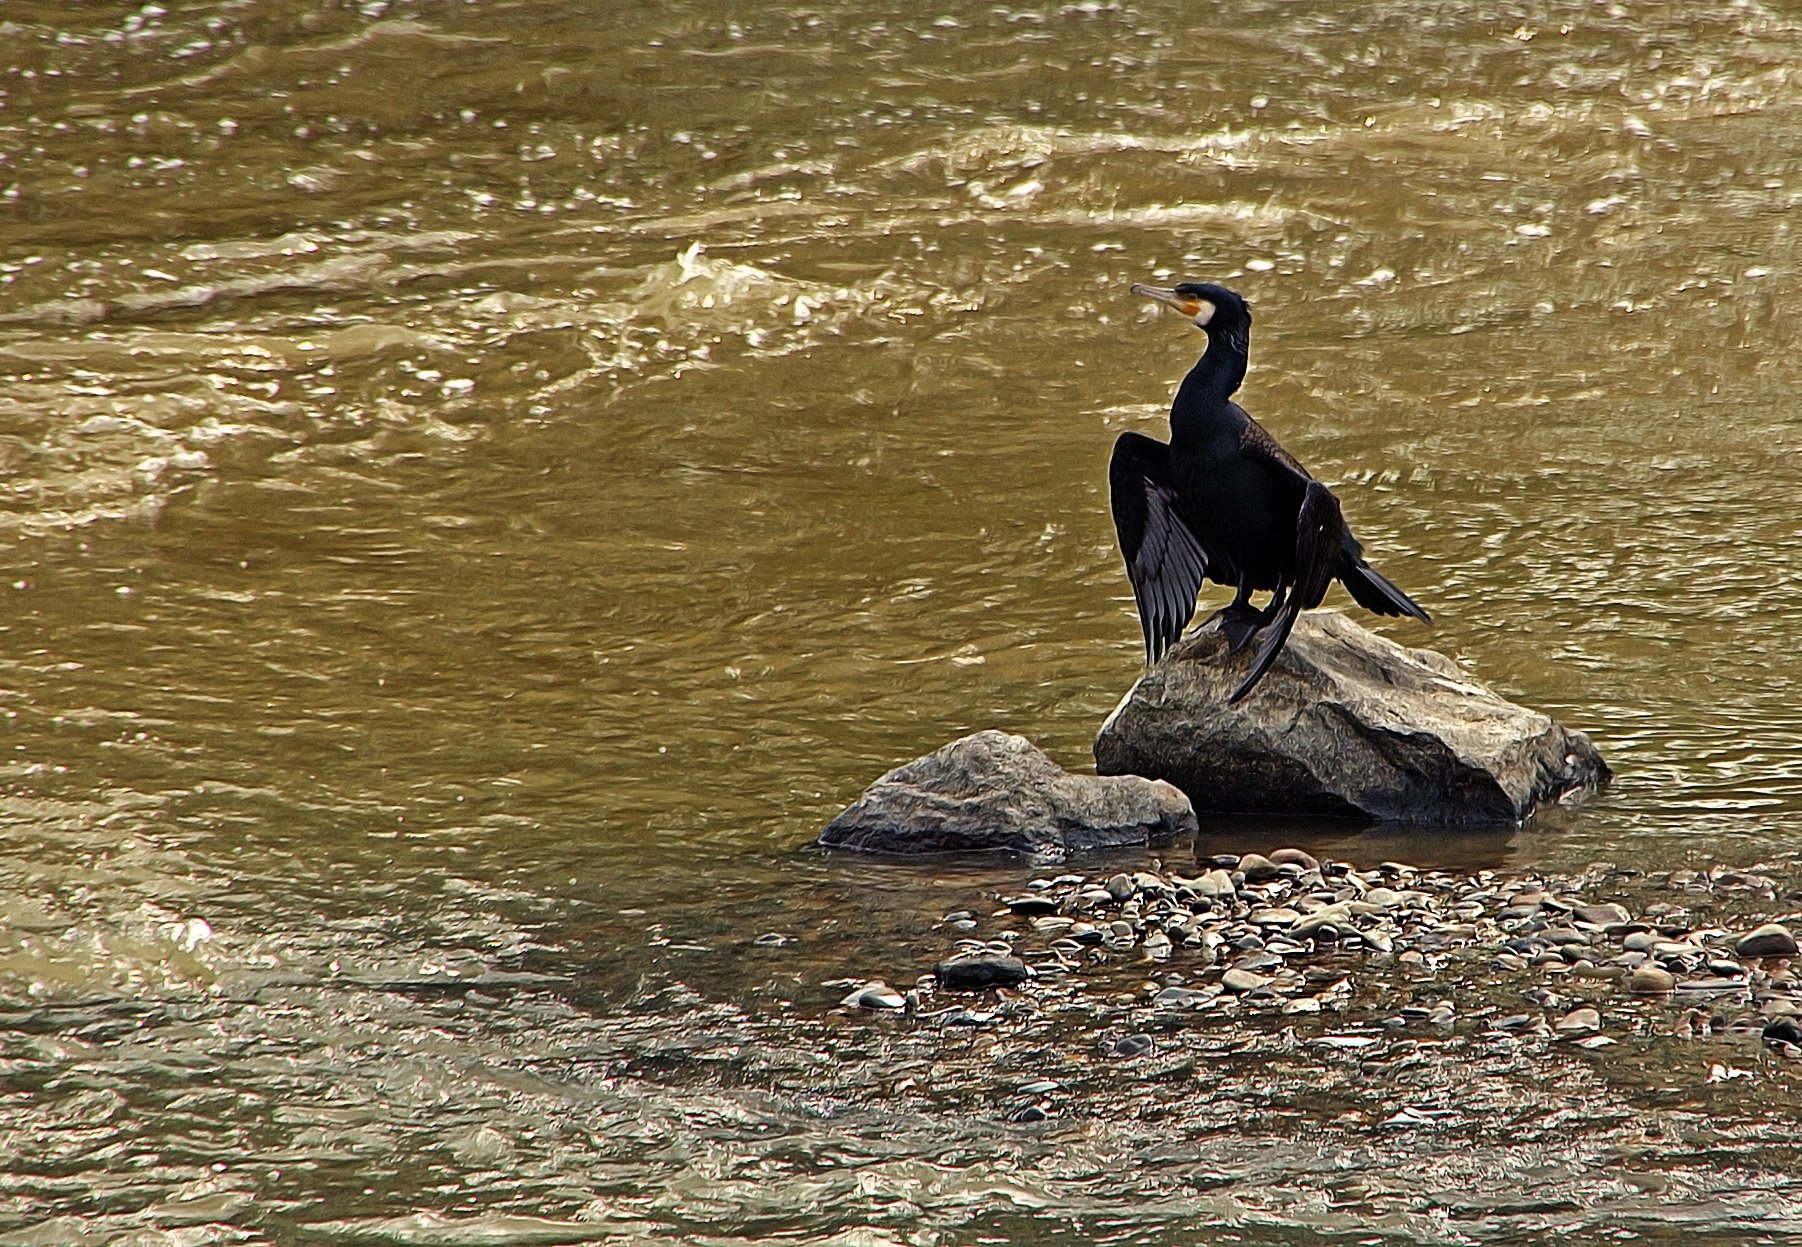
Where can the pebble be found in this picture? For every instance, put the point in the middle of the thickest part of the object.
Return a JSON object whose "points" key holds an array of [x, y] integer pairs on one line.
{"points": [[1028, 906], [1216, 883], [1783, 1030], [1579, 1021], [1134, 1045], [1258, 869], [1606, 914], [1180, 997], [979, 970], [1773, 939], [1295, 857], [1648, 980], [875, 995], [1236, 980]]}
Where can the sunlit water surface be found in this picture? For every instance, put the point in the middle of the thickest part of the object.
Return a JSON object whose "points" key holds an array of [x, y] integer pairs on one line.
{"points": [[485, 482]]}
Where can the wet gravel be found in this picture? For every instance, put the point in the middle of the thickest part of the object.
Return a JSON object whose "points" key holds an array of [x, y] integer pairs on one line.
{"points": [[1346, 959]]}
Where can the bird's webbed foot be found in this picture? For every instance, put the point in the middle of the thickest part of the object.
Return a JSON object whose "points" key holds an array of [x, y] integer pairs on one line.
{"points": [[1239, 622]]}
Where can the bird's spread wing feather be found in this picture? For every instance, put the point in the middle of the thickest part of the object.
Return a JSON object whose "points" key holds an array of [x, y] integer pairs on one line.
{"points": [[1164, 560]]}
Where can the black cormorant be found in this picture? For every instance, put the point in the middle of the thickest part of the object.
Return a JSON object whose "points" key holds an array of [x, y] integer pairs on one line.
{"points": [[1223, 502]]}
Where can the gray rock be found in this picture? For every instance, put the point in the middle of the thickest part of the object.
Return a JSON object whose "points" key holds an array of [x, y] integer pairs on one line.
{"points": [[1346, 724], [978, 970], [1773, 939], [875, 995], [1651, 980], [1257, 868], [1242, 981], [1579, 1021], [1216, 883], [993, 791], [1295, 857]]}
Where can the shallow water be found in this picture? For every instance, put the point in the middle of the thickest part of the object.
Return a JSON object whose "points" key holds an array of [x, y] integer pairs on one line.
{"points": [[486, 482]]}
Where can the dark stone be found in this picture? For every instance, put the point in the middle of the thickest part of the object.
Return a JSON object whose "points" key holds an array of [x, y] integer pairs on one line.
{"points": [[975, 971], [1346, 724], [1783, 1030], [1773, 939], [997, 792]]}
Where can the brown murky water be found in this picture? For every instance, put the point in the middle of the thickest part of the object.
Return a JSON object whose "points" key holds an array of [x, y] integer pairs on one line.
{"points": [[484, 482]]}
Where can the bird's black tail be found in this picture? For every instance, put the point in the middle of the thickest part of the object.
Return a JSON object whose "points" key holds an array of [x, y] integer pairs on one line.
{"points": [[1371, 591], [1316, 527]]}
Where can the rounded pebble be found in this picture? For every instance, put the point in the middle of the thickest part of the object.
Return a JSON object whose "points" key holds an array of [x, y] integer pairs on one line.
{"points": [[1651, 980], [1773, 939]]}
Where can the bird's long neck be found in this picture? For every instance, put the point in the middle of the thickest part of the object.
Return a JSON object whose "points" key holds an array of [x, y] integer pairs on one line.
{"points": [[1219, 372]]}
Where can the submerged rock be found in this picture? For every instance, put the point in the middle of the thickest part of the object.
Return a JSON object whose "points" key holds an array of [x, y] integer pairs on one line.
{"points": [[996, 791], [1346, 724]]}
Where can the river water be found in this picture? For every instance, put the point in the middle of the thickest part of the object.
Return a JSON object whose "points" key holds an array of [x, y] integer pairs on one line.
{"points": [[485, 482]]}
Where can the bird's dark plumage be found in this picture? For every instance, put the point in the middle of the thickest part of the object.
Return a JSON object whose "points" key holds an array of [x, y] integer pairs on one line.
{"points": [[1222, 501]]}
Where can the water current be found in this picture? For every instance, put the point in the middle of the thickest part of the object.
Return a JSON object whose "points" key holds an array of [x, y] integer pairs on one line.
{"points": [[485, 482]]}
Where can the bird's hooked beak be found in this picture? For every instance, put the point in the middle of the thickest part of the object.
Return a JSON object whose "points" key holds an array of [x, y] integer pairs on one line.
{"points": [[1198, 310]]}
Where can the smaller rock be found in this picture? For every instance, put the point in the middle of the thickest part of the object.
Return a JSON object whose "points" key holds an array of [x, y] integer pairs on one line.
{"points": [[875, 995], [1295, 857], [995, 792], [1579, 1022], [1604, 914], [1242, 981], [1773, 939], [1134, 1045], [1179, 997], [1216, 883], [976, 971], [1651, 980], [1028, 906], [1712, 985], [1783, 1030], [1257, 868]]}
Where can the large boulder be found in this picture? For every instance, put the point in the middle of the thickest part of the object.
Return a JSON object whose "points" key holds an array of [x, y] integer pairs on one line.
{"points": [[995, 791], [1346, 724]]}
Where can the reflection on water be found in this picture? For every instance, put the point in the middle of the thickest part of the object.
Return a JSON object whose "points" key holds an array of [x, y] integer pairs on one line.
{"points": [[485, 483]]}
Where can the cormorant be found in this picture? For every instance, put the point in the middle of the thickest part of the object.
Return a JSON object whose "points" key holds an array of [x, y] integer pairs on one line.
{"points": [[1223, 502]]}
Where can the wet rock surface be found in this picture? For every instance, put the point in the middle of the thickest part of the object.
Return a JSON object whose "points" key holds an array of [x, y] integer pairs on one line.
{"points": [[1346, 724], [993, 791]]}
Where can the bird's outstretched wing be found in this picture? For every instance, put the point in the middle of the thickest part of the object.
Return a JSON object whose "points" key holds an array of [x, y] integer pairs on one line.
{"points": [[1319, 530], [1164, 560]]}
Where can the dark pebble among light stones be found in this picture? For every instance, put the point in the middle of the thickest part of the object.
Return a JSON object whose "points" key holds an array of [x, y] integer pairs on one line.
{"points": [[975, 971]]}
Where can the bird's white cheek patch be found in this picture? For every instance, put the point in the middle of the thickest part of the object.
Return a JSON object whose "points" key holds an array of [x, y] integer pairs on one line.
{"points": [[1204, 312]]}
